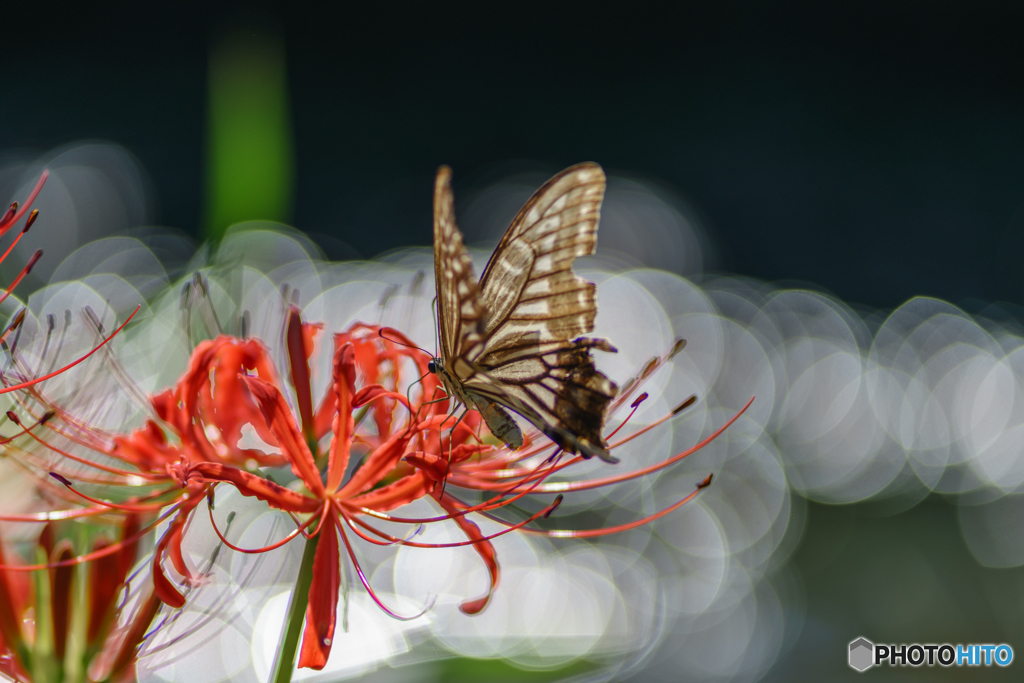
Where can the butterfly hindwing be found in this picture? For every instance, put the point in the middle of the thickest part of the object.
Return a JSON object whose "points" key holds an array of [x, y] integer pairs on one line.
{"points": [[557, 388]]}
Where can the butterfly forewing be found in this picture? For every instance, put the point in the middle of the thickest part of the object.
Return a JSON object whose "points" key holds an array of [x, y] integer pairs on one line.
{"points": [[514, 339], [528, 284], [460, 311]]}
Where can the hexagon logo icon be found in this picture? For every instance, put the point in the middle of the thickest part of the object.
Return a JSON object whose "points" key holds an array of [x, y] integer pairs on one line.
{"points": [[862, 654]]}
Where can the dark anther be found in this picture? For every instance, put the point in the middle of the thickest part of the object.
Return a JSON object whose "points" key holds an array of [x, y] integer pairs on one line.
{"points": [[31, 219], [685, 404], [706, 483], [639, 399], [61, 479], [32, 261], [13, 417], [558, 501], [18, 319], [185, 289], [13, 209]]}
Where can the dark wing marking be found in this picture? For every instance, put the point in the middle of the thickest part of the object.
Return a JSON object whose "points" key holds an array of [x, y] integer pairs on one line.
{"points": [[559, 392]]}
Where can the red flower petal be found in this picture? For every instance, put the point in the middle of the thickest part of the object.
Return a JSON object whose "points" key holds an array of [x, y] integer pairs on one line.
{"points": [[433, 466], [60, 596], [254, 486], [344, 382], [369, 393], [162, 586], [405, 490], [298, 360], [377, 466], [486, 552], [322, 611], [106, 577], [10, 610], [282, 425], [170, 546], [103, 586]]}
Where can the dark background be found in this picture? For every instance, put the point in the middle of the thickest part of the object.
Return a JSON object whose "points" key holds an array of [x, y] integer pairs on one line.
{"points": [[872, 148]]}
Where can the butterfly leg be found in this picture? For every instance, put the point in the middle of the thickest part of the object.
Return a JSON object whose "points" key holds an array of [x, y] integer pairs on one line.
{"points": [[451, 446]]}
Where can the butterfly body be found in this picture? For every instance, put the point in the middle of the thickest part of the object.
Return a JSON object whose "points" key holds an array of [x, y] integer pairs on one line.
{"points": [[498, 420], [512, 340]]}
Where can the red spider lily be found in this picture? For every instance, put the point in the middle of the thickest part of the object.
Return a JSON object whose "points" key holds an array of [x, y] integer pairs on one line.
{"points": [[28, 652], [401, 465], [381, 483], [204, 411], [402, 458]]}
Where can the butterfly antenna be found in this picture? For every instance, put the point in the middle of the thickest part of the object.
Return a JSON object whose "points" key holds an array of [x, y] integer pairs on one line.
{"points": [[380, 333]]}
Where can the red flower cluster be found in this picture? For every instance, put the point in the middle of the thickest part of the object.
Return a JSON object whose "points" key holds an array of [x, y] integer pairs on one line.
{"points": [[379, 438], [19, 648]]}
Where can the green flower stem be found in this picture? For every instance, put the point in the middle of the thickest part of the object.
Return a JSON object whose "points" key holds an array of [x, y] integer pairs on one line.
{"points": [[285, 663], [44, 667]]}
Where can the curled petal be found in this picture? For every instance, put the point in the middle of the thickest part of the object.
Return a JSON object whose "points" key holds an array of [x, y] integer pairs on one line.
{"points": [[251, 485], [197, 402], [484, 548], [437, 466], [404, 491], [162, 586], [373, 392], [433, 466], [147, 447]]}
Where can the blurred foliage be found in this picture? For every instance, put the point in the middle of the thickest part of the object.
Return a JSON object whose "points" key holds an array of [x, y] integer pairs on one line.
{"points": [[896, 578], [467, 670], [250, 158]]}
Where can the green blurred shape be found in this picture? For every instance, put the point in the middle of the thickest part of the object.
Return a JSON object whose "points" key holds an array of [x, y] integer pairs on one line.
{"points": [[250, 158], [468, 670]]}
